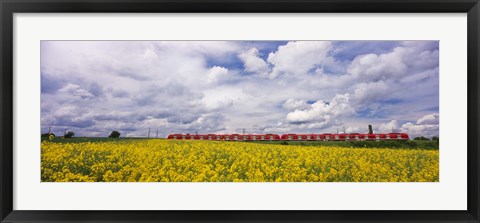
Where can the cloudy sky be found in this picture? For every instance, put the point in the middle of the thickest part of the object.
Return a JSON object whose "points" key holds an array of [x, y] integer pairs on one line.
{"points": [[95, 87]]}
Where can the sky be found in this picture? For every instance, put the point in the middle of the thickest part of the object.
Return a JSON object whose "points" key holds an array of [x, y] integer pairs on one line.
{"points": [[95, 87]]}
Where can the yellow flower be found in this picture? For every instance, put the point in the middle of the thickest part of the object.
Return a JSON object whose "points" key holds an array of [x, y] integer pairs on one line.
{"points": [[158, 160]]}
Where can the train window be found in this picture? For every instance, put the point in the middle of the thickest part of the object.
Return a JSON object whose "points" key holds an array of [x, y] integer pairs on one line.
{"points": [[388, 136], [235, 138], [347, 138], [337, 137], [399, 136], [254, 137], [289, 137], [262, 137], [356, 137], [327, 137], [308, 137], [183, 137], [201, 137]]}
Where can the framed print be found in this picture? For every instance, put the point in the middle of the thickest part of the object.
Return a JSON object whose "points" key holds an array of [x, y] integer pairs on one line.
{"points": [[199, 111]]}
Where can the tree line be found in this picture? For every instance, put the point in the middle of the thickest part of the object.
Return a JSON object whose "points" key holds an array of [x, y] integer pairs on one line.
{"points": [[70, 134]]}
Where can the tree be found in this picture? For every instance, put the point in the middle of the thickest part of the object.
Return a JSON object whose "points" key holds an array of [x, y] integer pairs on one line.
{"points": [[421, 138], [69, 134], [114, 134], [370, 131], [47, 134], [435, 138]]}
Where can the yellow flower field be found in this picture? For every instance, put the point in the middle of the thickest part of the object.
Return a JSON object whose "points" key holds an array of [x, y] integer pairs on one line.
{"points": [[158, 160]]}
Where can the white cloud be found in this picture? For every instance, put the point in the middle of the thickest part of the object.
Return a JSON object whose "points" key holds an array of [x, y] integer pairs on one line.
{"points": [[415, 130], [352, 129], [217, 73], [75, 90], [292, 104], [391, 126], [430, 119], [428, 126], [253, 63], [377, 67], [298, 57], [426, 75], [323, 114], [211, 48], [367, 93]]}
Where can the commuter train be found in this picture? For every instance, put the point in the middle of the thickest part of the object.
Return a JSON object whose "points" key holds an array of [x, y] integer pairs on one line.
{"points": [[292, 137]]}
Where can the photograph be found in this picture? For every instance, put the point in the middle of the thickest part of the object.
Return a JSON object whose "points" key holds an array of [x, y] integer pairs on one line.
{"points": [[239, 111]]}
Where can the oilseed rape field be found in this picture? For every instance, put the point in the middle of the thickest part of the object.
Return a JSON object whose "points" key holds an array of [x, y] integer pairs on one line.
{"points": [[158, 160]]}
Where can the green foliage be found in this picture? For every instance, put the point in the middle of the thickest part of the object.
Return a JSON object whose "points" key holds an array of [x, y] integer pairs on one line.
{"points": [[69, 134], [114, 134], [421, 138], [392, 144], [93, 139], [435, 138], [45, 135], [396, 144]]}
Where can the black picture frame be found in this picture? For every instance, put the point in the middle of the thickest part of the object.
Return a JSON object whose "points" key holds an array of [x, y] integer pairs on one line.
{"points": [[9, 7]]}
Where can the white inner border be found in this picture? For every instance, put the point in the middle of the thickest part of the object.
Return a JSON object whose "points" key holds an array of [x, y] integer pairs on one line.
{"points": [[449, 194]]}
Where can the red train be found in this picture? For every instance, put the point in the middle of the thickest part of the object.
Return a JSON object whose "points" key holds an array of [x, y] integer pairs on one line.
{"points": [[291, 137]]}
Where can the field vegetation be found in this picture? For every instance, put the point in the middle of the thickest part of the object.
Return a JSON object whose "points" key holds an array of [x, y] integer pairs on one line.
{"points": [[158, 160]]}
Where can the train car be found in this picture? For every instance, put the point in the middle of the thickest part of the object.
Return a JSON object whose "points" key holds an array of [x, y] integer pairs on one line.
{"points": [[312, 137], [372, 137], [396, 136], [302, 137], [260, 137], [272, 137], [328, 137], [306, 137], [387, 136], [174, 136], [357, 137], [290, 137]]}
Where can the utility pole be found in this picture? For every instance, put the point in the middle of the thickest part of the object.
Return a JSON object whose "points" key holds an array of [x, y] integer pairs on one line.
{"points": [[337, 130], [344, 129], [148, 136], [157, 134], [243, 131], [49, 128]]}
